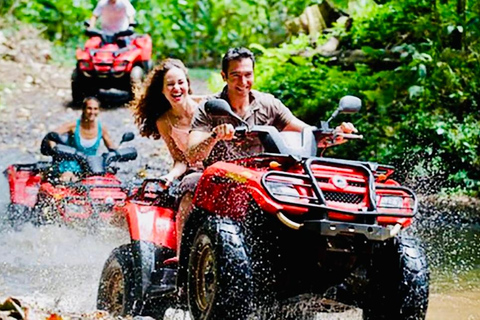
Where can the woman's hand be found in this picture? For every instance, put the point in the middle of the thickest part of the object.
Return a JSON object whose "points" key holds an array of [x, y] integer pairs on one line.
{"points": [[167, 179], [223, 132]]}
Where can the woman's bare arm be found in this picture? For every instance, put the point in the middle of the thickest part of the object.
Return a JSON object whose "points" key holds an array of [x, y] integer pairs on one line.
{"points": [[107, 139], [175, 152], [179, 162]]}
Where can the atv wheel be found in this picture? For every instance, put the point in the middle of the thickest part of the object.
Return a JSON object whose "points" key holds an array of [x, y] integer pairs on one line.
{"points": [[80, 88], [219, 272], [116, 287], [45, 211], [399, 283], [18, 215], [117, 290], [136, 78], [78, 91]]}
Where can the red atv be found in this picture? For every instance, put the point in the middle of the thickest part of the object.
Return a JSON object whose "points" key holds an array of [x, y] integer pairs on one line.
{"points": [[266, 228], [37, 196], [117, 61]]}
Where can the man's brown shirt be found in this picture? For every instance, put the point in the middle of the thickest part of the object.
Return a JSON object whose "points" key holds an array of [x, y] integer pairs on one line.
{"points": [[264, 110]]}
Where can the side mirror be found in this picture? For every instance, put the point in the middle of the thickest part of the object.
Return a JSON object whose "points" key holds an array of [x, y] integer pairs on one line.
{"points": [[127, 136], [347, 104], [350, 104], [54, 136], [220, 107]]}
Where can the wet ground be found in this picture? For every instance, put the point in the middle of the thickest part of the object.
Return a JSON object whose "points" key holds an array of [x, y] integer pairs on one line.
{"points": [[56, 269]]}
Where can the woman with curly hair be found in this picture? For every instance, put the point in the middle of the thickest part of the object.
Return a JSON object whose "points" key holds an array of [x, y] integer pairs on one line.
{"points": [[165, 110]]}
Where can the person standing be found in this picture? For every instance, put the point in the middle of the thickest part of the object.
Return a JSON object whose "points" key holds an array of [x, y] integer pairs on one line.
{"points": [[116, 15]]}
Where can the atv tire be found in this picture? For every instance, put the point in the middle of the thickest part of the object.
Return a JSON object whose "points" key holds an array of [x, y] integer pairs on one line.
{"points": [[219, 284], [399, 283], [45, 211], [116, 288], [18, 215], [80, 88], [136, 78]]}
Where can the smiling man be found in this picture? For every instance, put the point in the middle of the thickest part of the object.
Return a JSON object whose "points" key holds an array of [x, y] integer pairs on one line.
{"points": [[211, 137]]}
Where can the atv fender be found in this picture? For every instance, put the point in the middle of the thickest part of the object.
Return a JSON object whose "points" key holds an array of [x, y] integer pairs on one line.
{"points": [[237, 185], [151, 224], [24, 184]]}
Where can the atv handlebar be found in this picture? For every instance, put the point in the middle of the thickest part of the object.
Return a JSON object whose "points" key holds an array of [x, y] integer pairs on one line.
{"points": [[120, 155], [107, 38], [61, 151], [350, 136]]}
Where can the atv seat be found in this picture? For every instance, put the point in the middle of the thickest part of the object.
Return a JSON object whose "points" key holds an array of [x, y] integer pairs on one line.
{"points": [[120, 38]]}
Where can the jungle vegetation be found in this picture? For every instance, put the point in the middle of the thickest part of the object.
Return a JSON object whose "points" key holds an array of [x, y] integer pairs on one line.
{"points": [[414, 63]]}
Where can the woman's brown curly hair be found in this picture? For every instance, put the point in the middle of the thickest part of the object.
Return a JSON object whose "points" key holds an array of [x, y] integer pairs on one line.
{"points": [[150, 104]]}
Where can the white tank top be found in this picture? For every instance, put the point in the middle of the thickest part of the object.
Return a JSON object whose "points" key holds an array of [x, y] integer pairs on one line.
{"points": [[87, 143]]}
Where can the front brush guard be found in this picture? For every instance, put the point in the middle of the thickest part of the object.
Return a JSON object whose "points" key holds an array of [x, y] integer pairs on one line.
{"points": [[320, 206]]}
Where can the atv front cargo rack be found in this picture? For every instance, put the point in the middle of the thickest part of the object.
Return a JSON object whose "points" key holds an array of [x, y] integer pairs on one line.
{"points": [[319, 201]]}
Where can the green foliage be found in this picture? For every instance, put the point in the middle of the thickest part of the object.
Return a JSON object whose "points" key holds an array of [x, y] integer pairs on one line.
{"points": [[422, 115], [197, 31], [62, 19]]}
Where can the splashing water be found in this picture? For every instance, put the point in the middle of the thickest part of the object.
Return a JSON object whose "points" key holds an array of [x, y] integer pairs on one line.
{"points": [[55, 266]]}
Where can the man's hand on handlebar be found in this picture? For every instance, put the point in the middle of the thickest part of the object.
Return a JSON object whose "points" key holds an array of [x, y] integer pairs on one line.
{"points": [[344, 132], [346, 127], [340, 135], [223, 132]]}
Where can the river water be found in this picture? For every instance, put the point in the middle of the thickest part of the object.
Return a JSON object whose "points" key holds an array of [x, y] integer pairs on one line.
{"points": [[58, 268]]}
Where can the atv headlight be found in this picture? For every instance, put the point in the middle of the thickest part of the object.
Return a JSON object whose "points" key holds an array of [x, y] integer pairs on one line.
{"points": [[390, 201], [85, 65], [284, 189], [74, 208], [121, 66]]}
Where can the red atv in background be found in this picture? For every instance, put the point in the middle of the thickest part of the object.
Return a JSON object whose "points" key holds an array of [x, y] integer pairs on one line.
{"points": [[267, 228], [117, 61], [37, 196]]}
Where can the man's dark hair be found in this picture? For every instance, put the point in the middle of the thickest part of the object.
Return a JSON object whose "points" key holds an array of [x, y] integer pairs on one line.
{"points": [[84, 104], [236, 54]]}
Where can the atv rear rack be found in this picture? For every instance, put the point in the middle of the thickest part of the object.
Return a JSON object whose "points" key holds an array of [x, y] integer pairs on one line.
{"points": [[36, 166], [319, 202], [87, 187]]}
